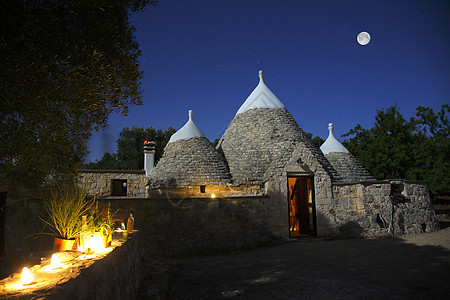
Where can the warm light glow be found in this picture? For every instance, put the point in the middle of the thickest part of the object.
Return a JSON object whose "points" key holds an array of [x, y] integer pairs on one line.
{"points": [[92, 242], [55, 262], [27, 277], [96, 242], [213, 196]]}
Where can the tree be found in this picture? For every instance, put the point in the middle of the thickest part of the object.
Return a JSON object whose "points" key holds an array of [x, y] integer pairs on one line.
{"points": [[433, 155], [317, 140], [417, 149], [129, 154], [66, 66]]}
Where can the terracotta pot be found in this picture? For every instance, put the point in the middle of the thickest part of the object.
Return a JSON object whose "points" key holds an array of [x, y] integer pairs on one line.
{"points": [[63, 244]]}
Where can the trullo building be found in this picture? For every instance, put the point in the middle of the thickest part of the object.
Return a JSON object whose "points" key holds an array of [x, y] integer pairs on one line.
{"points": [[266, 174]]}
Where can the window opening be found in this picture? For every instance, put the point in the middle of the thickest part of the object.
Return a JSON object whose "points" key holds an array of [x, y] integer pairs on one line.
{"points": [[119, 187]]}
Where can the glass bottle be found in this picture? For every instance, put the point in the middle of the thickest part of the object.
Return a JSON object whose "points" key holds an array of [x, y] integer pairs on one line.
{"points": [[130, 223]]}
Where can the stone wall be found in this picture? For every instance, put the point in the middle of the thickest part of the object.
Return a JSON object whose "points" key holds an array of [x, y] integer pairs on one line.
{"points": [[180, 226], [114, 275], [185, 226], [99, 182], [373, 209], [218, 191], [117, 276]]}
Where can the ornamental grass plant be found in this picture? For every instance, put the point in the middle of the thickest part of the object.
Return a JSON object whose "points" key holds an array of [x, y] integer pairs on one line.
{"points": [[65, 206]]}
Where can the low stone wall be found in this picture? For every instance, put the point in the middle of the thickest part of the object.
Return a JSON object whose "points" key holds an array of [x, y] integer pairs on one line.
{"points": [[373, 209], [114, 275], [185, 226], [99, 182], [117, 276]]}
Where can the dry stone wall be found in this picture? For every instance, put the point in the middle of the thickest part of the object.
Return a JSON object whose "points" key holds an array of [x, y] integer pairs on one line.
{"points": [[187, 226], [99, 182], [373, 209], [117, 276]]}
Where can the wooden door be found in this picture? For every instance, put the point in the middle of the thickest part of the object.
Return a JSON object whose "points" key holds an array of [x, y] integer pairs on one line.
{"points": [[302, 218]]}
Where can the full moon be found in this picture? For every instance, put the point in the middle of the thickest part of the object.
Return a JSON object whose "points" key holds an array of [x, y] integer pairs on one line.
{"points": [[363, 38]]}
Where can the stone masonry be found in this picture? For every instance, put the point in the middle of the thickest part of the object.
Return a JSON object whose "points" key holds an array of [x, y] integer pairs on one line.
{"points": [[348, 167], [374, 209], [260, 141], [99, 182], [190, 162]]}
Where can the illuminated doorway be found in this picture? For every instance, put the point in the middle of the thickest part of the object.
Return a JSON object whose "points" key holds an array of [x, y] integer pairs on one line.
{"points": [[302, 213]]}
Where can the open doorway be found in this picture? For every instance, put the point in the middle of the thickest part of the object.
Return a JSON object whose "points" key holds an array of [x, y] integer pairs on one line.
{"points": [[302, 212]]}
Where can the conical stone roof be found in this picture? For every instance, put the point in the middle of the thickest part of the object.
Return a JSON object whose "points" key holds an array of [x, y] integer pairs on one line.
{"points": [[189, 160], [260, 141], [343, 161]]}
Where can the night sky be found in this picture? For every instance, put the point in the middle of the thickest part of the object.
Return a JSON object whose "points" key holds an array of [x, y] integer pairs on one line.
{"points": [[205, 56]]}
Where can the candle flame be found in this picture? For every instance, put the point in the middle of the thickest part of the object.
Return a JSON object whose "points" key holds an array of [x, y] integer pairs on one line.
{"points": [[213, 196], [27, 277]]}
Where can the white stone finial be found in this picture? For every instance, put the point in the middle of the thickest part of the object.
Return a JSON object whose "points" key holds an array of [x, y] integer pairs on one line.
{"points": [[261, 74], [331, 144], [261, 97], [189, 130], [330, 127]]}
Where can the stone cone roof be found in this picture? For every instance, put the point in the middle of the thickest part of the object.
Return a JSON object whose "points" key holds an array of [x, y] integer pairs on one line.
{"points": [[342, 161], [189, 162], [348, 167], [260, 141]]}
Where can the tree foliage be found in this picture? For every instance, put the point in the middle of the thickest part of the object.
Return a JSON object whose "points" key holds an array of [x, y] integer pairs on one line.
{"points": [[130, 155], [317, 140], [66, 66], [418, 149]]}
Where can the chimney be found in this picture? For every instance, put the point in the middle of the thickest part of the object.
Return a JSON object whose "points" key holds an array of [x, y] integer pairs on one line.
{"points": [[149, 156]]}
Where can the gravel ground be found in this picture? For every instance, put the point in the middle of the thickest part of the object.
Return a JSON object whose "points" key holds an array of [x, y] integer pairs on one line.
{"points": [[407, 267]]}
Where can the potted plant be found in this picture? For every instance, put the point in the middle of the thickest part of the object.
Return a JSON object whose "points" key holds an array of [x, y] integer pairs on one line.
{"points": [[99, 222], [65, 206]]}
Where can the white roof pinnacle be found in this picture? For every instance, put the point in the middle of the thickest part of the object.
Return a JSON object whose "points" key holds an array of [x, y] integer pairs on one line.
{"points": [[261, 97], [189, 130], [332, 144]]}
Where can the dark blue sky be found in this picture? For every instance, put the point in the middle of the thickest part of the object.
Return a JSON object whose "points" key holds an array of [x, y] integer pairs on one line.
{"points": [[205, 56]]}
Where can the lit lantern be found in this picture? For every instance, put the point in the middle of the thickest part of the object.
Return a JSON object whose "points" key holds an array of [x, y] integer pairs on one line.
{"points": [[55, 262], [27, 277], [96, 243], [213, 196]]}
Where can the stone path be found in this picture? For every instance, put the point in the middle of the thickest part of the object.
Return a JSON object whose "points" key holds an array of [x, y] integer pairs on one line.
{"points": [[412, 267]]}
